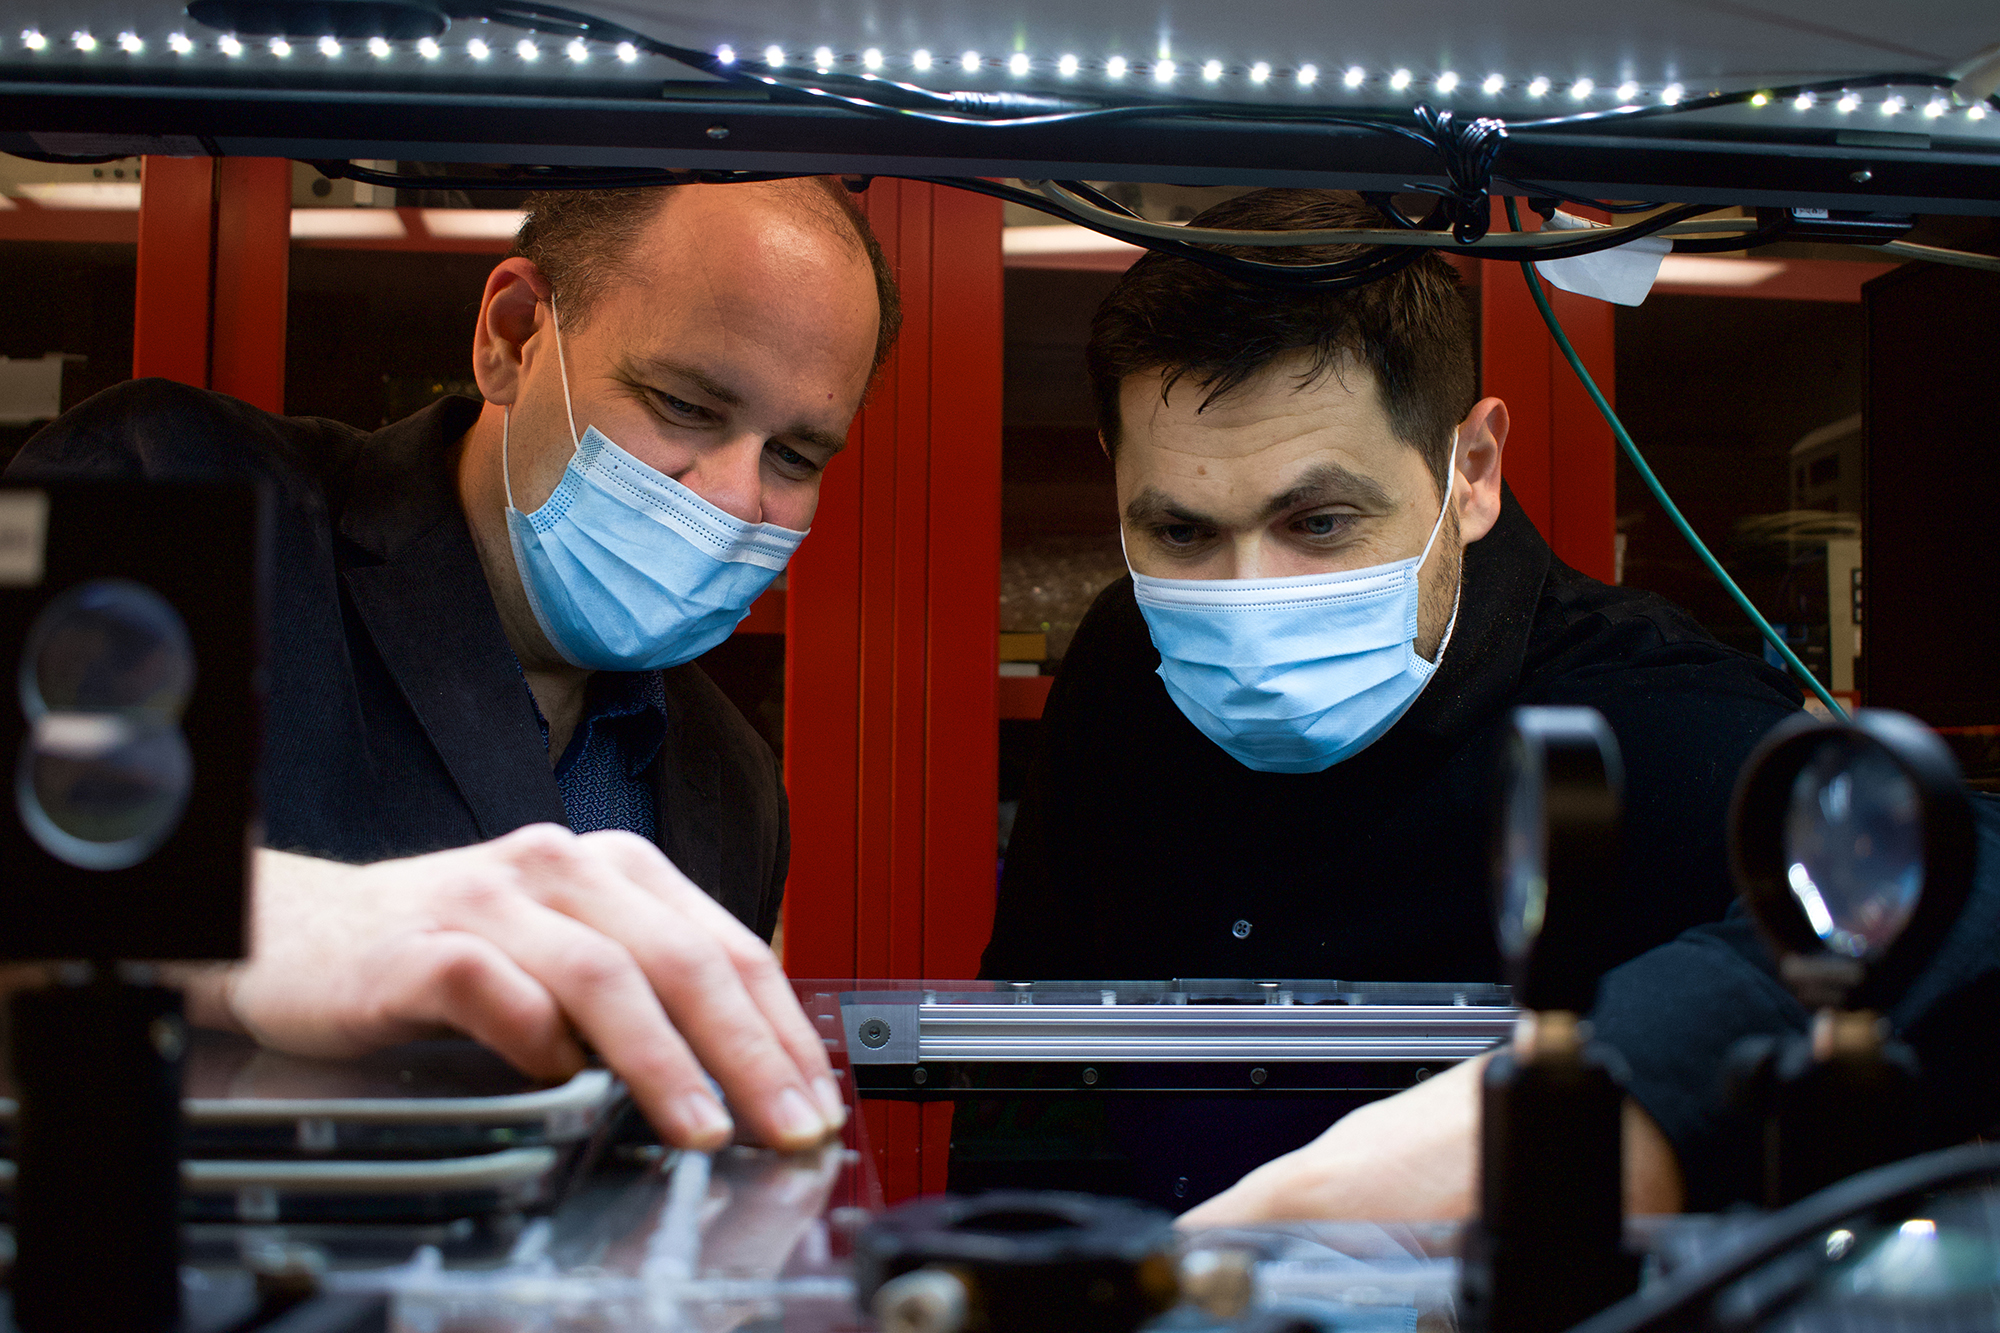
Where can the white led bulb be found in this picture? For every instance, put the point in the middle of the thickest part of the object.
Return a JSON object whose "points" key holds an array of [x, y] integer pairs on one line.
{"points": [[1164, 71], [872, 58], [83, 41], [1115, 67], [179, 43], [378, 47], [823, 59], [32, 39], [229, 46], [969, 62], [1672, 94], [1447, 82], [1068, 66], [1260, 72], [428, 48], [1354, 77], [329, 46], [774, 56], [478, 49], [527, 50], [920, 60], [1017, 64], [1538, 86], [1308, 75], [577, 50], [1581, 89], [725, 55], [1399, 80], [1627, 91], [129, 43], [627, 53], [1494, 83], [1212, 71], [280, 47]]}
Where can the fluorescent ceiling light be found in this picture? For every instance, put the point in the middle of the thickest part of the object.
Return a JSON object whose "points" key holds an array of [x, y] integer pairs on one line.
{"points": [[1714, 271], [122, 196], [346, 224], [474, 224], [1061, 238]]}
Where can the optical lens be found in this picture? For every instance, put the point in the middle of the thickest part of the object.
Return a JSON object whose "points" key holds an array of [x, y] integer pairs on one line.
{"points": [[1854, 842]]}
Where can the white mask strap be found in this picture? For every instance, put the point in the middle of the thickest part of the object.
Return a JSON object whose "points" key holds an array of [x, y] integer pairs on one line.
{"points": [[1450, 483], [506, 415], [555, 322]]}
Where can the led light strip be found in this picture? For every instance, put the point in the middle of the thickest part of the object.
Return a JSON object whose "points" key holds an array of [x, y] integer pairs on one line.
{"points": [[1116, 69]]}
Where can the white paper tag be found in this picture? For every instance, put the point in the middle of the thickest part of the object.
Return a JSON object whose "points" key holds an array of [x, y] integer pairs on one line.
{"points": [[24, 531], [1623, 274]]}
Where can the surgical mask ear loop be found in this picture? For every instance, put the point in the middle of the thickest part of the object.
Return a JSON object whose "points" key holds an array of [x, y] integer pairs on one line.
{"points": [[569, 410]]}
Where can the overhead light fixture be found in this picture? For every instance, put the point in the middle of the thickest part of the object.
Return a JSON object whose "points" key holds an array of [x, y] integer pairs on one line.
{"points": [[1804, 101], [823, 59], [1892, 104], [1494, 83], [1713, 271], [1164, 71], [472, 224], [329, 47], [1936, 107], [627, 53], [1399, 80], [83, 41], [1212, 71], [1354, 77], [969, 62], [1977, 111], [1447, 82], [774, 56], [179, 43], [1627, 91], [527, 50], [130, 43], [1847, 102], [1260, 72], [229, 46], [920, 60], [1581, 89], [1068, 66], [872, 58], [1538, 86], [1672, 94], [577, 50], [1017, 64], [428, 48], [478, 49], [725, 55], [1115, 67], [32, 39], [378, 48], [346, 224], [280, 48]]}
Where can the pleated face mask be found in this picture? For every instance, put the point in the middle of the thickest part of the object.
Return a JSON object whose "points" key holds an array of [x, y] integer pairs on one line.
{"points": [[628, 570], [1293, 675]]}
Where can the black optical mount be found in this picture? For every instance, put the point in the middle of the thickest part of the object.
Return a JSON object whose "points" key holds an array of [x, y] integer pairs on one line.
{"points": [[1547, 1249], [130, 614], [1843, 1097]]}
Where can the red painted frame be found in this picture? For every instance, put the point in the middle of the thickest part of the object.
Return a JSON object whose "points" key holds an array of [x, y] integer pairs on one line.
{"points": [[891, 710], [214, 258]]}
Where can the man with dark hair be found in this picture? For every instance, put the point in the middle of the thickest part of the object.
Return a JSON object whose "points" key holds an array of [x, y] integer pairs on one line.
{"points": [[498, 796], [1269, 750]]}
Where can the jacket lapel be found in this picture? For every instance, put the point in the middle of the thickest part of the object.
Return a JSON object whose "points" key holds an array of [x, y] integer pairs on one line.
{"points": [[416, 582]]}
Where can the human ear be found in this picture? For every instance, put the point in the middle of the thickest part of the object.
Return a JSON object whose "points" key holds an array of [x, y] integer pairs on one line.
{"points": [[1482, 436], [509, 315]]}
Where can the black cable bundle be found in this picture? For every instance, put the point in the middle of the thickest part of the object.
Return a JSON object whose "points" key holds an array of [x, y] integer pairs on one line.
{"points": [[1468, 149]]}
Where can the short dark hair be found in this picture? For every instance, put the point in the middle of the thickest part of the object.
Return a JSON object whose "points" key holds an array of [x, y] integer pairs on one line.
{"points": [[1412, 330], [580, 239]]}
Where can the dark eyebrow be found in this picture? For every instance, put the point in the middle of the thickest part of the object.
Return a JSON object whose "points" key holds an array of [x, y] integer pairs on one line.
{"points": [[728, 397], [1329, 483], [1153, 506], [1326, 483]]}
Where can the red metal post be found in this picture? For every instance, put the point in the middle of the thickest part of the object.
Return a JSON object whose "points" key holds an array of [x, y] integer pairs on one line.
{"points": [[176, 258], [253, 216], [891, 731], [1560, 458]]}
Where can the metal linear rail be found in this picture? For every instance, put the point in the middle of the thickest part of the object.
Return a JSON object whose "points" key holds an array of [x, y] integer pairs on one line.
{"points": [[881, 1034], [691, 127]]}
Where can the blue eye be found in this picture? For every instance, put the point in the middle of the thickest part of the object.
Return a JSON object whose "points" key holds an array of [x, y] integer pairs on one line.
{"points": [[681, 406], [1320, 525]]}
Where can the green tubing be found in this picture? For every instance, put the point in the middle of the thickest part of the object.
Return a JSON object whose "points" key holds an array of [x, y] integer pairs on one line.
{"points": [[1771, 636]]}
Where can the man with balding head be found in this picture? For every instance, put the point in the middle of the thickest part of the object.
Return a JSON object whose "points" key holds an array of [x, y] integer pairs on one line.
{"points": [[498, 796]]}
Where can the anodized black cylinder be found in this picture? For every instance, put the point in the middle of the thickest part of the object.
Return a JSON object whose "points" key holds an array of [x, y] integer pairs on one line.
{"points": [[98, 1145], [1547, 1250]]}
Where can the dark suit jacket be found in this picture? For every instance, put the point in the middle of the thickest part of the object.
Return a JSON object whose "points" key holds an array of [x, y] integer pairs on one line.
{"points": [[397, 721]]}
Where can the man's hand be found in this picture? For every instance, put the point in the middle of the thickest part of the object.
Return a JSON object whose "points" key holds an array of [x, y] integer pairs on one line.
{"points": [[1414, 1157], [532, 944]]}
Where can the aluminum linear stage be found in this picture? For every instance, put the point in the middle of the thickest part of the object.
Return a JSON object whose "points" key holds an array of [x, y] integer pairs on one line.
{"points": [[952, 1039], [1229, 95]]}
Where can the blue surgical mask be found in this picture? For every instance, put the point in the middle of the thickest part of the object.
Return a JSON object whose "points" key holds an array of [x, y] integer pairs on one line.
{"points": [[628, 570], [1293, 675]]}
